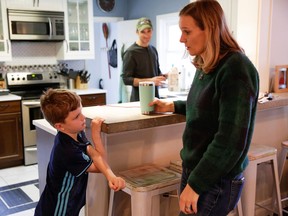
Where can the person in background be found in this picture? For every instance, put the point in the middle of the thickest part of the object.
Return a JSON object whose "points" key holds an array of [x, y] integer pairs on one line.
{"points": [[72, 156], [140, 61], [220, 112]]}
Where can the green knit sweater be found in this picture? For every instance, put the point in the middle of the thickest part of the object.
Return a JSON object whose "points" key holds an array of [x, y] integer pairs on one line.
{"points": [[220, 112]]}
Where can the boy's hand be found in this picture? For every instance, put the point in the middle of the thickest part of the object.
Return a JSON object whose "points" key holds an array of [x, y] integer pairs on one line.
{"points": [[117, 183], [96, 124]]}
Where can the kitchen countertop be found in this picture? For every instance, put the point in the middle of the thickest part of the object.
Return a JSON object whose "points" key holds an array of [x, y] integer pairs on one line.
{"points": [[12, 97], [127, 116], [120, 118], [279, 100], [89, 91], [9, 97]]}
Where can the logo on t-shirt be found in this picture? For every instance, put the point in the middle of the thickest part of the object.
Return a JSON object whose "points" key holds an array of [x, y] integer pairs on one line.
{"points": [[85, 157]]}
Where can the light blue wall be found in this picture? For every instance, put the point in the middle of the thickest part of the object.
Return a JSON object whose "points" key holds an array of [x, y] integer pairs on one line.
{"points": [[134, 9]]}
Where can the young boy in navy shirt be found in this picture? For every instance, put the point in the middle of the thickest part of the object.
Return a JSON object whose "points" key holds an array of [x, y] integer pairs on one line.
{"points": [[72, 156]]}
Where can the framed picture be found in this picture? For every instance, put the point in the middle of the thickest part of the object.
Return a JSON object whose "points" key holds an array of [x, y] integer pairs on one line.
{"points": [[281, 78]]}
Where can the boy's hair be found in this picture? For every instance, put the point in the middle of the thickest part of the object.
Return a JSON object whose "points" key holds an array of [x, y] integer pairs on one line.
{"points": [[57, 103]]}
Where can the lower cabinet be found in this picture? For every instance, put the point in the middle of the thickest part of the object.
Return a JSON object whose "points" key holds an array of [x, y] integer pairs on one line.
{"points": [[93, 99], [11, 141]]}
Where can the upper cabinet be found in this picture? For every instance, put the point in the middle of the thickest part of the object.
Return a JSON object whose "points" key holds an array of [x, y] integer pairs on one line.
{"points": [[251, 22], [230, 9], [5, 45], [51, 5], [79, 42]]}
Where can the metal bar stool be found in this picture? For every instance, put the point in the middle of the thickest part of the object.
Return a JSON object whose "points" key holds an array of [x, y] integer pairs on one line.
{"points": [[142, 184], [259, 154], [282, 161], [177, 167]]}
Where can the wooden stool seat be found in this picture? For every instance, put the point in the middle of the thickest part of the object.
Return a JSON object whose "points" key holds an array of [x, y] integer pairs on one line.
{"points": [[260, 151], [260, 154], [145, 182]]}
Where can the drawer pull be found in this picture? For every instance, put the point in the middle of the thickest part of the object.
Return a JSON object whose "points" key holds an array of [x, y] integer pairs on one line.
{"points": [[92, 98], [3, 107]]}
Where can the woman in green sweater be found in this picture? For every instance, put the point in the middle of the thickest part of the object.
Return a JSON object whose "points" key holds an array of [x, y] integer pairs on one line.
{"points": [[220, 112]]}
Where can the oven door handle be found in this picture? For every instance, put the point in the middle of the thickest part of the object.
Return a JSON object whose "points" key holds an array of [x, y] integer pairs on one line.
{"points": [[31, 103]]}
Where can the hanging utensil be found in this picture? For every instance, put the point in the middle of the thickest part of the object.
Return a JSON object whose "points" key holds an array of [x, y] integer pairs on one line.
{"points": [[106, 34]]}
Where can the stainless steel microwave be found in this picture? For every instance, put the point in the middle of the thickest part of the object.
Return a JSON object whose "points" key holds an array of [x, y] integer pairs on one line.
{"points": [[36, 25]]}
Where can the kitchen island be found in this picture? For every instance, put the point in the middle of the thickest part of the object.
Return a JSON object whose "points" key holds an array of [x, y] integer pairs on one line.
{"points": [[133, 139], [130, 138]]}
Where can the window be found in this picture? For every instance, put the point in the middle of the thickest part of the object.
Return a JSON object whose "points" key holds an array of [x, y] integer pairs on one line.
{"points": [[171, 51]]}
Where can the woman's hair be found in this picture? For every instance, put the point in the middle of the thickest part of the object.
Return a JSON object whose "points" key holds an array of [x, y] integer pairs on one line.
{"points": [[57, 103], [210, 18]]}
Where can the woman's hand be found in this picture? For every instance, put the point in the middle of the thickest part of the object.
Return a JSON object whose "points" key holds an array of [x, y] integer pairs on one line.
{"points": [[162, 105], [188, 200]]}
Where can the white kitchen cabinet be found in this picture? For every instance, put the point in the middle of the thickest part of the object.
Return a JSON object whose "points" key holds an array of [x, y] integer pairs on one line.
{"points": [[250, 22], [230, 10], [51, 5], [79, 40], [5, 45]]}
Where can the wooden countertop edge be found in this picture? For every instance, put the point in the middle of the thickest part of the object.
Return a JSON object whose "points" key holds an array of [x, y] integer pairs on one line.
{"points": [[142, 123]]}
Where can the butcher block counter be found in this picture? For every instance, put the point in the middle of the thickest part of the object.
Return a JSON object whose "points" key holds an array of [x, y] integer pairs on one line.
{"points": [[128, 117], [130, 139]]}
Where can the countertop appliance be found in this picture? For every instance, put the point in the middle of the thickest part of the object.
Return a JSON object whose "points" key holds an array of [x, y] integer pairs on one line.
{"points": [[36, 25], [30, 86]]}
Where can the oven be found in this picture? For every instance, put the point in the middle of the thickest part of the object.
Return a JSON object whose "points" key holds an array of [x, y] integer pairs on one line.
{"points": [[30, 86], [30, 111]]}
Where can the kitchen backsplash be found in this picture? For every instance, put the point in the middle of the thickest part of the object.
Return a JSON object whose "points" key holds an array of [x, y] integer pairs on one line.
{"points": [[36, 54]]}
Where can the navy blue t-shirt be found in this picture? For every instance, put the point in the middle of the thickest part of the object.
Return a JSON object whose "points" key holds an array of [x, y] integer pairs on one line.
{"points": [[66, 181]]}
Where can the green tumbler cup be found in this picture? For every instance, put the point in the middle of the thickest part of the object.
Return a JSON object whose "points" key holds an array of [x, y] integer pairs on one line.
{"points": [[147, 95]]}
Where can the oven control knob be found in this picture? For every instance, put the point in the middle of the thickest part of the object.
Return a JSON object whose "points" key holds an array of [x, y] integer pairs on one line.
{"points": [[55, 77], [18, 78]]}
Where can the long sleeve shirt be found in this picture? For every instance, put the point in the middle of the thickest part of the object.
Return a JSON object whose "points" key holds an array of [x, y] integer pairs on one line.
{"points": [[220, 112], [140, 62]]}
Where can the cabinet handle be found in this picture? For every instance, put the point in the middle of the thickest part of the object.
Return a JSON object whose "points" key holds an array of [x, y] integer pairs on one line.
{"points": [[8, 47], [3, 107], [67, 46], [50, 27], [92, 98]]}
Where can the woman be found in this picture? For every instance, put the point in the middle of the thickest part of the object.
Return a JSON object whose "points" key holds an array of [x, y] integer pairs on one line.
{"points": [[220, 112]]}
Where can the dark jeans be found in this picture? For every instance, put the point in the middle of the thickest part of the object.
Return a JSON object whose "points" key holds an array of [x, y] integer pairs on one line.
{"points": [[220, 199]]}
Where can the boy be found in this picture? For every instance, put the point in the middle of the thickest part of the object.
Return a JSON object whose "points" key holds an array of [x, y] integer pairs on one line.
{"points": [[72, 156]]}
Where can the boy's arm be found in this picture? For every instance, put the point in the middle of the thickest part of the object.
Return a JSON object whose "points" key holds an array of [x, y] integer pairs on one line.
{"points": [[98, 156]]}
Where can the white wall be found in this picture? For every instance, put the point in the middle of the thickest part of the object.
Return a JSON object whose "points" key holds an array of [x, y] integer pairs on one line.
{"points": [[279, 35], [98, 67]]}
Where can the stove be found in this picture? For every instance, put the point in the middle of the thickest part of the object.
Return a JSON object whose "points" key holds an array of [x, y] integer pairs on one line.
{"points": [[30, 86]]}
